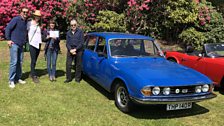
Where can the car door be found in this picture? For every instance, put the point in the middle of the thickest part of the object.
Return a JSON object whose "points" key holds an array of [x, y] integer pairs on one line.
{"points": [[195, 62], [213, 69], [101, 63], [88, 54]]}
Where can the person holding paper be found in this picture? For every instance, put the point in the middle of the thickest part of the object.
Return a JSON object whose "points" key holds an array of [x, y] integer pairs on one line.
{"points": [[74, 44], [34, 37], [51, 37]]}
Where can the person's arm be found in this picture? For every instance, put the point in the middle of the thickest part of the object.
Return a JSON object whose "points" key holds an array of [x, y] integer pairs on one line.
{"points": [[8, 31], [67, 42], [81, 41], [9, 28], [45, 36]]}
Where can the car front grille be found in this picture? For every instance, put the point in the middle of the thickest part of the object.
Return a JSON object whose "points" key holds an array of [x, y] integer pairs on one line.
{"points": [[182, 90]]}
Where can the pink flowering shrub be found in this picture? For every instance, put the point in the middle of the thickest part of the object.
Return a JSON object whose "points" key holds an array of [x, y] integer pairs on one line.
{"points": [[85, 12], [204, 15], [208, 28], [48, 8], [137, 15]]}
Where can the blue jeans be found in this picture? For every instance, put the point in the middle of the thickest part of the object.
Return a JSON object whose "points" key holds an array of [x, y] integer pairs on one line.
{"points": [[16, 59], [51, 62]]}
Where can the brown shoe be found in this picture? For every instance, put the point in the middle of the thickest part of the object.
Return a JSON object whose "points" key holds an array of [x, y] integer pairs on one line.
{"points": [[35, 79]]}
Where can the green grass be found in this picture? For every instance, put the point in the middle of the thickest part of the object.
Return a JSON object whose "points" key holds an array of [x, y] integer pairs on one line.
{"points": [[86, 103]]}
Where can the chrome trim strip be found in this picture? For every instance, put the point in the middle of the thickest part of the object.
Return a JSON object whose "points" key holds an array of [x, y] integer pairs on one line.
{"points": [[173, 100]]}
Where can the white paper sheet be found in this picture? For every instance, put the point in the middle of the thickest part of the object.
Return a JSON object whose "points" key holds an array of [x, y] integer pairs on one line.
{"points": [[54, 34]]}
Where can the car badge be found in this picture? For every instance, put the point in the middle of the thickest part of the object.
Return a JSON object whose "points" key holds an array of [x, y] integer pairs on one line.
{"points": [[177, 91], [184, 90]]}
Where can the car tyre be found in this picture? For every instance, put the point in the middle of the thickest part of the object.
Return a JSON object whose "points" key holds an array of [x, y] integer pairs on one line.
{"points": [[222, 85], [122, 99]]}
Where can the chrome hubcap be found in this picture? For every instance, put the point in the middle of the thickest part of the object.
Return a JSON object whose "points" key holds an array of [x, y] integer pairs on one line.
{"points": [[122, 96]]}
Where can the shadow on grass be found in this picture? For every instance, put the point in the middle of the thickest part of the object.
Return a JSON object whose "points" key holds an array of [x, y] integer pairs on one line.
{"points": [[42, 72], [60, 73], [219, 89], [159, 112], [98, 87], [39, 72]]}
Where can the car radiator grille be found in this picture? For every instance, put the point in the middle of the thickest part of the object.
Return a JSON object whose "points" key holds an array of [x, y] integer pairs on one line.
{"points": [[182, 90]]}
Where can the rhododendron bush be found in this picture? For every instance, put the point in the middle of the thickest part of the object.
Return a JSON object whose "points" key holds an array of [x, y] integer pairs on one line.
{"points": [[137, 15], [49, 9], [164, 19], [85, 12]]}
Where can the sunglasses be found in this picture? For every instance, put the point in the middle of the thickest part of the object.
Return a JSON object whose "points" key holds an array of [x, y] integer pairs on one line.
{"points": [[25, 12], [73, 25]]}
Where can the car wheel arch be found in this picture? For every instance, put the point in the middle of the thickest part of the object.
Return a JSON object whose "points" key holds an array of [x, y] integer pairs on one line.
{"points": [[115, 81], [172, 59]]}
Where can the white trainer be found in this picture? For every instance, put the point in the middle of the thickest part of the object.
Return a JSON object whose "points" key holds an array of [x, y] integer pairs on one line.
{"points": [[11, 84], [21, 81]]}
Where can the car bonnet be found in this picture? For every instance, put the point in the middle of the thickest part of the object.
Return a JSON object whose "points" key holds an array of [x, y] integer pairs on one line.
{"points": [[151, 71]]}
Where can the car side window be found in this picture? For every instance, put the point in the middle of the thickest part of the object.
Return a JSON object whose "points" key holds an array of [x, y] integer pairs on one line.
{"points": [[101, 45], [91, 42], [150, 48]]}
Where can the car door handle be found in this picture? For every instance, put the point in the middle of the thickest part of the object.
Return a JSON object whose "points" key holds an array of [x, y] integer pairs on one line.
{"points": [[93, 58]]}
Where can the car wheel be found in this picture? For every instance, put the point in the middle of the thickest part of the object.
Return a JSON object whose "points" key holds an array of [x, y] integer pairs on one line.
{"points": [[172, 60], [122, 99]]}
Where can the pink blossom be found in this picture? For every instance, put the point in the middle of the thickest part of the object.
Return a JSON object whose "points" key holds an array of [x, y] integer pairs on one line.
{"points": [[208, 18], [202, 23], [93, 15]]}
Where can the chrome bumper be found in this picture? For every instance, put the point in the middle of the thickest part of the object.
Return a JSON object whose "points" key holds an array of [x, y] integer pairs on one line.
{"points": [[173, 100]]}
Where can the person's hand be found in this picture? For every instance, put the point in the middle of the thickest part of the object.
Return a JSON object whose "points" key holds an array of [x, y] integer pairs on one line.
{"points": [[48, 37], [73, 51], [10, 43], [54, 38]]}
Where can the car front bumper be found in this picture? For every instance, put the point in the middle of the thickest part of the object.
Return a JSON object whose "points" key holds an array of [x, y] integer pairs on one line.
{"points": [[173, 99]]}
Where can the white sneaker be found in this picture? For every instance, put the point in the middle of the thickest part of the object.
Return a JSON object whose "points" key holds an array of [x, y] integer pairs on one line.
{"points": [[11, 84], [21, 81]]}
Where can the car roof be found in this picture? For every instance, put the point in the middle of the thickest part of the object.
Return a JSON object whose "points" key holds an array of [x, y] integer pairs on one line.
{"points": [[114, 35]]}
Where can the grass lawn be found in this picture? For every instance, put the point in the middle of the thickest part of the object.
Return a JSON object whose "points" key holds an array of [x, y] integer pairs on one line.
{"points": [[59, 104]]}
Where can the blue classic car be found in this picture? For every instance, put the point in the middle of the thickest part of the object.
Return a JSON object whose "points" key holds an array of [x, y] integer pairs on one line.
{"points": [[134, 68]]}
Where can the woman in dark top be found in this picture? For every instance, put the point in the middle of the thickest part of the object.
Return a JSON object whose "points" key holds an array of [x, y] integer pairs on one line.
{"points": [[52, 48]]}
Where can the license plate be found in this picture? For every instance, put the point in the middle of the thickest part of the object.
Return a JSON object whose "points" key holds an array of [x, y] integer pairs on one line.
{"points": [[178, 106]]}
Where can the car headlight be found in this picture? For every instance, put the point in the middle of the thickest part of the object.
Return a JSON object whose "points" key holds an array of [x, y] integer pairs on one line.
{"points": [[198, 89], [166, 91], [155, 90], [205, 88], [146, 91]]}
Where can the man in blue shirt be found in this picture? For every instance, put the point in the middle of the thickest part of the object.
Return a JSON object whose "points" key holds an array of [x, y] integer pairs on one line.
{"points": [[74, 44], [16, 33]]}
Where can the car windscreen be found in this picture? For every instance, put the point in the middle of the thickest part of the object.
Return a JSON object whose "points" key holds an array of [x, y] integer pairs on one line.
{"points": [[215, 50], [133, 48]]}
